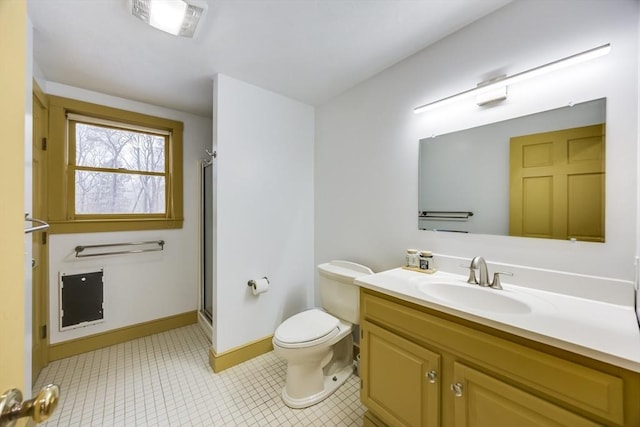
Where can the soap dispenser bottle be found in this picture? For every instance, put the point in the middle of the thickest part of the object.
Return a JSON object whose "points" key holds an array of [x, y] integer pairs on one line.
{"points": [[413, 258], [426, 260]]}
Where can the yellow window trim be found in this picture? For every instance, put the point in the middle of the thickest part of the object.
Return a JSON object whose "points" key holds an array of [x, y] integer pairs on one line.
{"points": [[61, 211]]}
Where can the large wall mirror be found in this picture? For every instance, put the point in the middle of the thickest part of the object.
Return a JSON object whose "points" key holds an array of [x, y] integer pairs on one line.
{"points": [[541, 175]]}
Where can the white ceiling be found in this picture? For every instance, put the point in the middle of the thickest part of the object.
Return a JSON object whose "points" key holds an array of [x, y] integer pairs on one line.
{"points": [[309, 50]]}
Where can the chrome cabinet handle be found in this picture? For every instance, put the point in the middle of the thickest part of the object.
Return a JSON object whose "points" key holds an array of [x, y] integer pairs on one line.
{"points": [[456, 389], [432, 375]]}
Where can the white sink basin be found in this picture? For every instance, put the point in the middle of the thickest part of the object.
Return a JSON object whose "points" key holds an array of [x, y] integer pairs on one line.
{"points": [[474, 297]]}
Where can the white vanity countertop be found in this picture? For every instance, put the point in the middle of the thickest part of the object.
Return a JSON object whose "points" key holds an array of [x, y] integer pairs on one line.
{"points": [[599, 330]]}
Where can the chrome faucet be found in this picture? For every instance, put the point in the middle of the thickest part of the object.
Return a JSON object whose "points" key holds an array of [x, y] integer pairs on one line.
{"points": [[478, 263]]}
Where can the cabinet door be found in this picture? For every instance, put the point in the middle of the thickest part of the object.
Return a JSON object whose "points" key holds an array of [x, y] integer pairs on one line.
{"points": [[400, 380], [484, 401]]}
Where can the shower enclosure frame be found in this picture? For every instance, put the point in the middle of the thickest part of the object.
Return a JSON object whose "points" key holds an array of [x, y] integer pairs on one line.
{"points": [[207, 241]]}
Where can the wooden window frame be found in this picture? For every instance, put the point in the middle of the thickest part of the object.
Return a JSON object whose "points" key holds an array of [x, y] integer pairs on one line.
{"points": [[61, 208]]}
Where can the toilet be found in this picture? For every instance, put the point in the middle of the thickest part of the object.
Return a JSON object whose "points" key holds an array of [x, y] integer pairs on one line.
{"points": [[317, 344]]}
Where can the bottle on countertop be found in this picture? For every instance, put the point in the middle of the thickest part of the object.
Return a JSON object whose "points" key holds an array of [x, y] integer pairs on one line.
{"points": [[413, 258], [426, 260]]}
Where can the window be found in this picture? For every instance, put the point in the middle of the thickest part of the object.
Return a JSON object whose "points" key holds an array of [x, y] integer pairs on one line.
{"points": [[117, 170], [112, 170]]}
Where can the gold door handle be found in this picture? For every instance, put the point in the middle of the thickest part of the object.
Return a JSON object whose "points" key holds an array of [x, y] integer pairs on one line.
{"points": [[40, 408]]}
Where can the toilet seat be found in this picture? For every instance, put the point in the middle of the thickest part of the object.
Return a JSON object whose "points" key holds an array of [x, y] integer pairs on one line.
{"points": [[306, 329]]}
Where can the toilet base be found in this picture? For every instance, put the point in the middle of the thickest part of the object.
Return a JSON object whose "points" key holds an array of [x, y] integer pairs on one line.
{"points": [[331, 384]]}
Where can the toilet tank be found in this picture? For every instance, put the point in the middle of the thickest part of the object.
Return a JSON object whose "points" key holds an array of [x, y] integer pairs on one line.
{"points": [[340, 296]]}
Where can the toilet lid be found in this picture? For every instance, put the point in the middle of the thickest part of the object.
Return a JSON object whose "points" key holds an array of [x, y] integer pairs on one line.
{"points": [[306, 326]]}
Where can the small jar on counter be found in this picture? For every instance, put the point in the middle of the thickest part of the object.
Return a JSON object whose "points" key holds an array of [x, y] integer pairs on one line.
{"points": [[413, 258], [426, 260]]}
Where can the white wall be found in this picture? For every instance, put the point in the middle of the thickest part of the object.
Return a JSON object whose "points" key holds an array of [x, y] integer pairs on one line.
{"points": [[366, 151], [637, 231], [264, 209], [138, 287]]}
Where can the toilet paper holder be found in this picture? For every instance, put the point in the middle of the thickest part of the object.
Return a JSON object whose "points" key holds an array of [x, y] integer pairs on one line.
{"points": [[251, 283]]}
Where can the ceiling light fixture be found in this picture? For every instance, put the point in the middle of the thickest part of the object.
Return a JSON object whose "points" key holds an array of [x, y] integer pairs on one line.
{"points": [[176, 17], [483, 90]]}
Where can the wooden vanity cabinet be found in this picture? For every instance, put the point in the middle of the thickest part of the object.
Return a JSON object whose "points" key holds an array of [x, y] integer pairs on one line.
{"points": [[485, 401], [421, 367], [402, 382]]}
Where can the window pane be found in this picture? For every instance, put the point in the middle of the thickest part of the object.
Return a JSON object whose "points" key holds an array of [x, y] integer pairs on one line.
{"points": [[119, 193], [104, 147]]}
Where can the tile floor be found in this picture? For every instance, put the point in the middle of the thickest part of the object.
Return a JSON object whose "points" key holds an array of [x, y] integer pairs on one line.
{"points": [[165, 380]]}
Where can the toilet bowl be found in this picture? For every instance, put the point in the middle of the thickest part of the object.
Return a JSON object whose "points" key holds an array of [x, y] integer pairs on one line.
{"points": [[318, 344], [315, 369]]}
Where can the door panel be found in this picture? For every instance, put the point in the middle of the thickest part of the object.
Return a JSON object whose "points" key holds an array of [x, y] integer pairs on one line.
{"points": [[586, 194], [537, 155], [537, 204], [13, 19], [585, 149], [557, 184]]}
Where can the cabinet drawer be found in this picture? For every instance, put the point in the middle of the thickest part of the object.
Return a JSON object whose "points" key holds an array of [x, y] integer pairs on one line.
{"points": [[551, 377]]}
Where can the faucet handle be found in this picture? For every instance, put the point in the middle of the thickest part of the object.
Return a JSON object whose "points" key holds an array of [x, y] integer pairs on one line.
{"points": [[472, 274], [496, 279]]}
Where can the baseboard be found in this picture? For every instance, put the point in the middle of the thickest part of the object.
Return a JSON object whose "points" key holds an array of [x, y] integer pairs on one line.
{"points": [[117, 336], [235, 356]]}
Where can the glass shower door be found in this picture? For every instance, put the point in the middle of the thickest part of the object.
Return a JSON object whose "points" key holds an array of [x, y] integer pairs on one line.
{"points": [[208, 231]]}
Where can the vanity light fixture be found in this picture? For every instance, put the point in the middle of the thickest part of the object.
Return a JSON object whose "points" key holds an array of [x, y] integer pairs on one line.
{"points": [[496, 89], [176, 17], [498, 93]]}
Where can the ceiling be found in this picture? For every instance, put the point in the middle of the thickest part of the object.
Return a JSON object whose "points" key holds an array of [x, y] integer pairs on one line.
{"points": [[308, 50]]}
